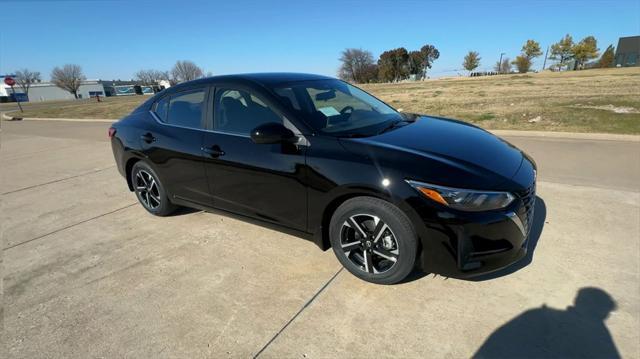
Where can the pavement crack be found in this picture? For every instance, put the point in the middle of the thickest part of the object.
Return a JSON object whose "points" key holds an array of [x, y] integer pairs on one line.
{"points": [[56, 181], [70, 226], [298, 313]]}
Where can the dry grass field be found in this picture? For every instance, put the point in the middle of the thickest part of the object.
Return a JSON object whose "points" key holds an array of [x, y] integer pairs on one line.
{"points": [[108, 108], [581, 101]]}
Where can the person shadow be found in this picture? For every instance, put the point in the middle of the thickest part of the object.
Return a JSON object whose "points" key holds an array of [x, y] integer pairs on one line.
{"points": [[577, 332]]}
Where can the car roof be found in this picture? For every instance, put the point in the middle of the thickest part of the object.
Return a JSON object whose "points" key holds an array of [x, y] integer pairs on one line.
{"points": [[267, 79]]}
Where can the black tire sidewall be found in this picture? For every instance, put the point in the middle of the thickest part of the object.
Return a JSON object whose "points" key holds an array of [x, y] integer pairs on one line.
{"points": [[166, 207], [397, 222]]}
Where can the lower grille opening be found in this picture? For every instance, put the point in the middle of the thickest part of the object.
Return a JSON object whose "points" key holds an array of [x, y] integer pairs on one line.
{"points": [[485, 247]]}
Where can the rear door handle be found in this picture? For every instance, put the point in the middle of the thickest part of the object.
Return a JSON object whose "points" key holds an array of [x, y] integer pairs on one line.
{"points": [[148, 138], [213, 151]]}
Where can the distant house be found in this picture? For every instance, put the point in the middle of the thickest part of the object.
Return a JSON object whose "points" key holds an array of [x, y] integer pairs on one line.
{"points": [[628, 51]]}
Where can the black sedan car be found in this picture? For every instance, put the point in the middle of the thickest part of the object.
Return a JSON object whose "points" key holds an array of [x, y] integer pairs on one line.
{"points": [[388, 191]]}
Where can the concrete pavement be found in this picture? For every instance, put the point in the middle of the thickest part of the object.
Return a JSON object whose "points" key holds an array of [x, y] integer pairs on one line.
{"points": [[88, 273]]}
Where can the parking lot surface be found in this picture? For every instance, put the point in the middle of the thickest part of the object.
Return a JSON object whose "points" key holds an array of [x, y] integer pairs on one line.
{"points": [[88, 273]]}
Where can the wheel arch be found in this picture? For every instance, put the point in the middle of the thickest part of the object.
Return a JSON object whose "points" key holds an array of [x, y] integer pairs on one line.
{"points": [[347, 193], [127, 170]]}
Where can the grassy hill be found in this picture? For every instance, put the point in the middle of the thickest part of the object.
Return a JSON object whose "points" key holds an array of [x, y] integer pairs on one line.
{"points": [[579, 101]]}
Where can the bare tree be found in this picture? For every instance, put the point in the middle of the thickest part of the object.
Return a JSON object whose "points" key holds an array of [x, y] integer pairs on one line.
{"points": [[185, 71], [68, 78], [25, 78], [151, 77], [356, 65]]}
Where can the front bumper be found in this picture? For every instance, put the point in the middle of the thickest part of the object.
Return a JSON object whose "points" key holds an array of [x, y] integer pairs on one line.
{"points": [[465, 244]]}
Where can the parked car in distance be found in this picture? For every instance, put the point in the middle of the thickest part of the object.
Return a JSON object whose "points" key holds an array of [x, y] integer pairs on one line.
{"points": [[325, 160]]}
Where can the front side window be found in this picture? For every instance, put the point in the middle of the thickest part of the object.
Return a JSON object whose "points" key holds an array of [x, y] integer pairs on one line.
{"points": [[239, 112], [185, 109], [336, 108]]}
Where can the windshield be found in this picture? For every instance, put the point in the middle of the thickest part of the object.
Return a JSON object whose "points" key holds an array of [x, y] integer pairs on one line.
{"points": [[336, 108]]}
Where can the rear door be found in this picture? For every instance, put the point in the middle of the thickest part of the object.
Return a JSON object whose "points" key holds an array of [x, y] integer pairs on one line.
{"points": [[265, 181], [173, 144]]}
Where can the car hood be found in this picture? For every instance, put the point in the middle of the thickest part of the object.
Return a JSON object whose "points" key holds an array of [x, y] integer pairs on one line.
{"points": [[443, 151]]}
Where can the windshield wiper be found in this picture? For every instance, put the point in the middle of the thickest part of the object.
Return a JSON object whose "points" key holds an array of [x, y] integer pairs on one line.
{"points": [[353, 135], [389, 126]]}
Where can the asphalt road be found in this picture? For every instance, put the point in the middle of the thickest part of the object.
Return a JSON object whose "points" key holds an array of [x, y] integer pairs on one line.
{"points": [[88, 273]]}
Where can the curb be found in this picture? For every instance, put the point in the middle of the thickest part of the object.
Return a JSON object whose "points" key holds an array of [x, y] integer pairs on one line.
{"points": [[7, 118], [567, 135]]}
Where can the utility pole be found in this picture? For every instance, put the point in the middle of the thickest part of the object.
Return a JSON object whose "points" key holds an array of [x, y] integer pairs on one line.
{"points": [[500, 63], [544, 64]]}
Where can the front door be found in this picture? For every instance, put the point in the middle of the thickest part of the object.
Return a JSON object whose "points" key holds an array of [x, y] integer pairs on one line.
{"points": [[260, 180]]}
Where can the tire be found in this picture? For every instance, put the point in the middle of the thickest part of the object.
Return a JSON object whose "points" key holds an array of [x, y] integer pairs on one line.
{"points": [[382, 253], [150, 191]]}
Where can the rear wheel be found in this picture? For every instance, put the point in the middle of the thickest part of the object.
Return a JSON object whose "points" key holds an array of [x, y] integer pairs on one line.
{"points": [[374, 240], [150, 191]]}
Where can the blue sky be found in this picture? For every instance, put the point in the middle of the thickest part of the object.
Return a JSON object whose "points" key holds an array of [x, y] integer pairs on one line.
{"points": [[114, 39]]}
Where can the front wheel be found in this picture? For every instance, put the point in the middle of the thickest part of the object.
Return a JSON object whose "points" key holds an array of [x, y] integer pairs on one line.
{"points": [[374, 240]]}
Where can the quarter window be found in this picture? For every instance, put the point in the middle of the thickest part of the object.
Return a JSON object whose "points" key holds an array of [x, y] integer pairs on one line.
{"points": [[161, 109], [240, 112]]}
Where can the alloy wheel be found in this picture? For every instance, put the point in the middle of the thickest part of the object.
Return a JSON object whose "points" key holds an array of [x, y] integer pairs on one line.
{"points": [[147, 189], [369, 243]]}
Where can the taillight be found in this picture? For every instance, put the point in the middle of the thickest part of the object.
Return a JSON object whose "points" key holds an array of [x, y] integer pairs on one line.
{"points": [[112, 132]]}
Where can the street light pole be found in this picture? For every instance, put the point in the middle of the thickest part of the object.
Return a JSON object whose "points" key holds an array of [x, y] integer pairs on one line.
{"points": [[500, 63]]}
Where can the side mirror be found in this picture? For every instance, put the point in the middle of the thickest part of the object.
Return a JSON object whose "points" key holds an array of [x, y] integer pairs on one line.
{"points": [[272, 132]]}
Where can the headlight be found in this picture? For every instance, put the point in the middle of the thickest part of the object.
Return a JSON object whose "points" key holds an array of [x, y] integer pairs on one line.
{"points": [[464, 199]]}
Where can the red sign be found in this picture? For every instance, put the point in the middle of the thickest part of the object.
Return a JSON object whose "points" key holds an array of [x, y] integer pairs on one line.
{"points": [[9, 81]]}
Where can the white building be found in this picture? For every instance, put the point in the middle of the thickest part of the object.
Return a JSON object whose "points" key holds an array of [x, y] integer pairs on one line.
{"points": [[46, 91]]}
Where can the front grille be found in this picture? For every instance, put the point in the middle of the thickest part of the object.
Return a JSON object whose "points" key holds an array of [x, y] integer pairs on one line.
{"points": [[528, 198]]}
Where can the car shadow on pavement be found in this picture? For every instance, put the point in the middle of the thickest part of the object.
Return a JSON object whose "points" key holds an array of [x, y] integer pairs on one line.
{"points": [[181, 211], [579, 331], [539, 219]]}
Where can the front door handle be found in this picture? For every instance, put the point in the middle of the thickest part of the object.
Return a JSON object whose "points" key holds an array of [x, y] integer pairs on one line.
{"points": [[148, 138], [213, 151]]}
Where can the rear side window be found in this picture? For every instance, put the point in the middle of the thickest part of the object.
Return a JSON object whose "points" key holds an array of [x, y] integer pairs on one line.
{"points": [[182, 109], [185, 109]]}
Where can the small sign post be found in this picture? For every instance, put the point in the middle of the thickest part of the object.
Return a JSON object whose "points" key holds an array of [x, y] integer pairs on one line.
{"points": [[9, 81]]}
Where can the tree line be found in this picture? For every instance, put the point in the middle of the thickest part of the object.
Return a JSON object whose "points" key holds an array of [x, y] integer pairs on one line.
{"points": [[70, 76], [359, 66], [565, 53], [182, 71]]}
